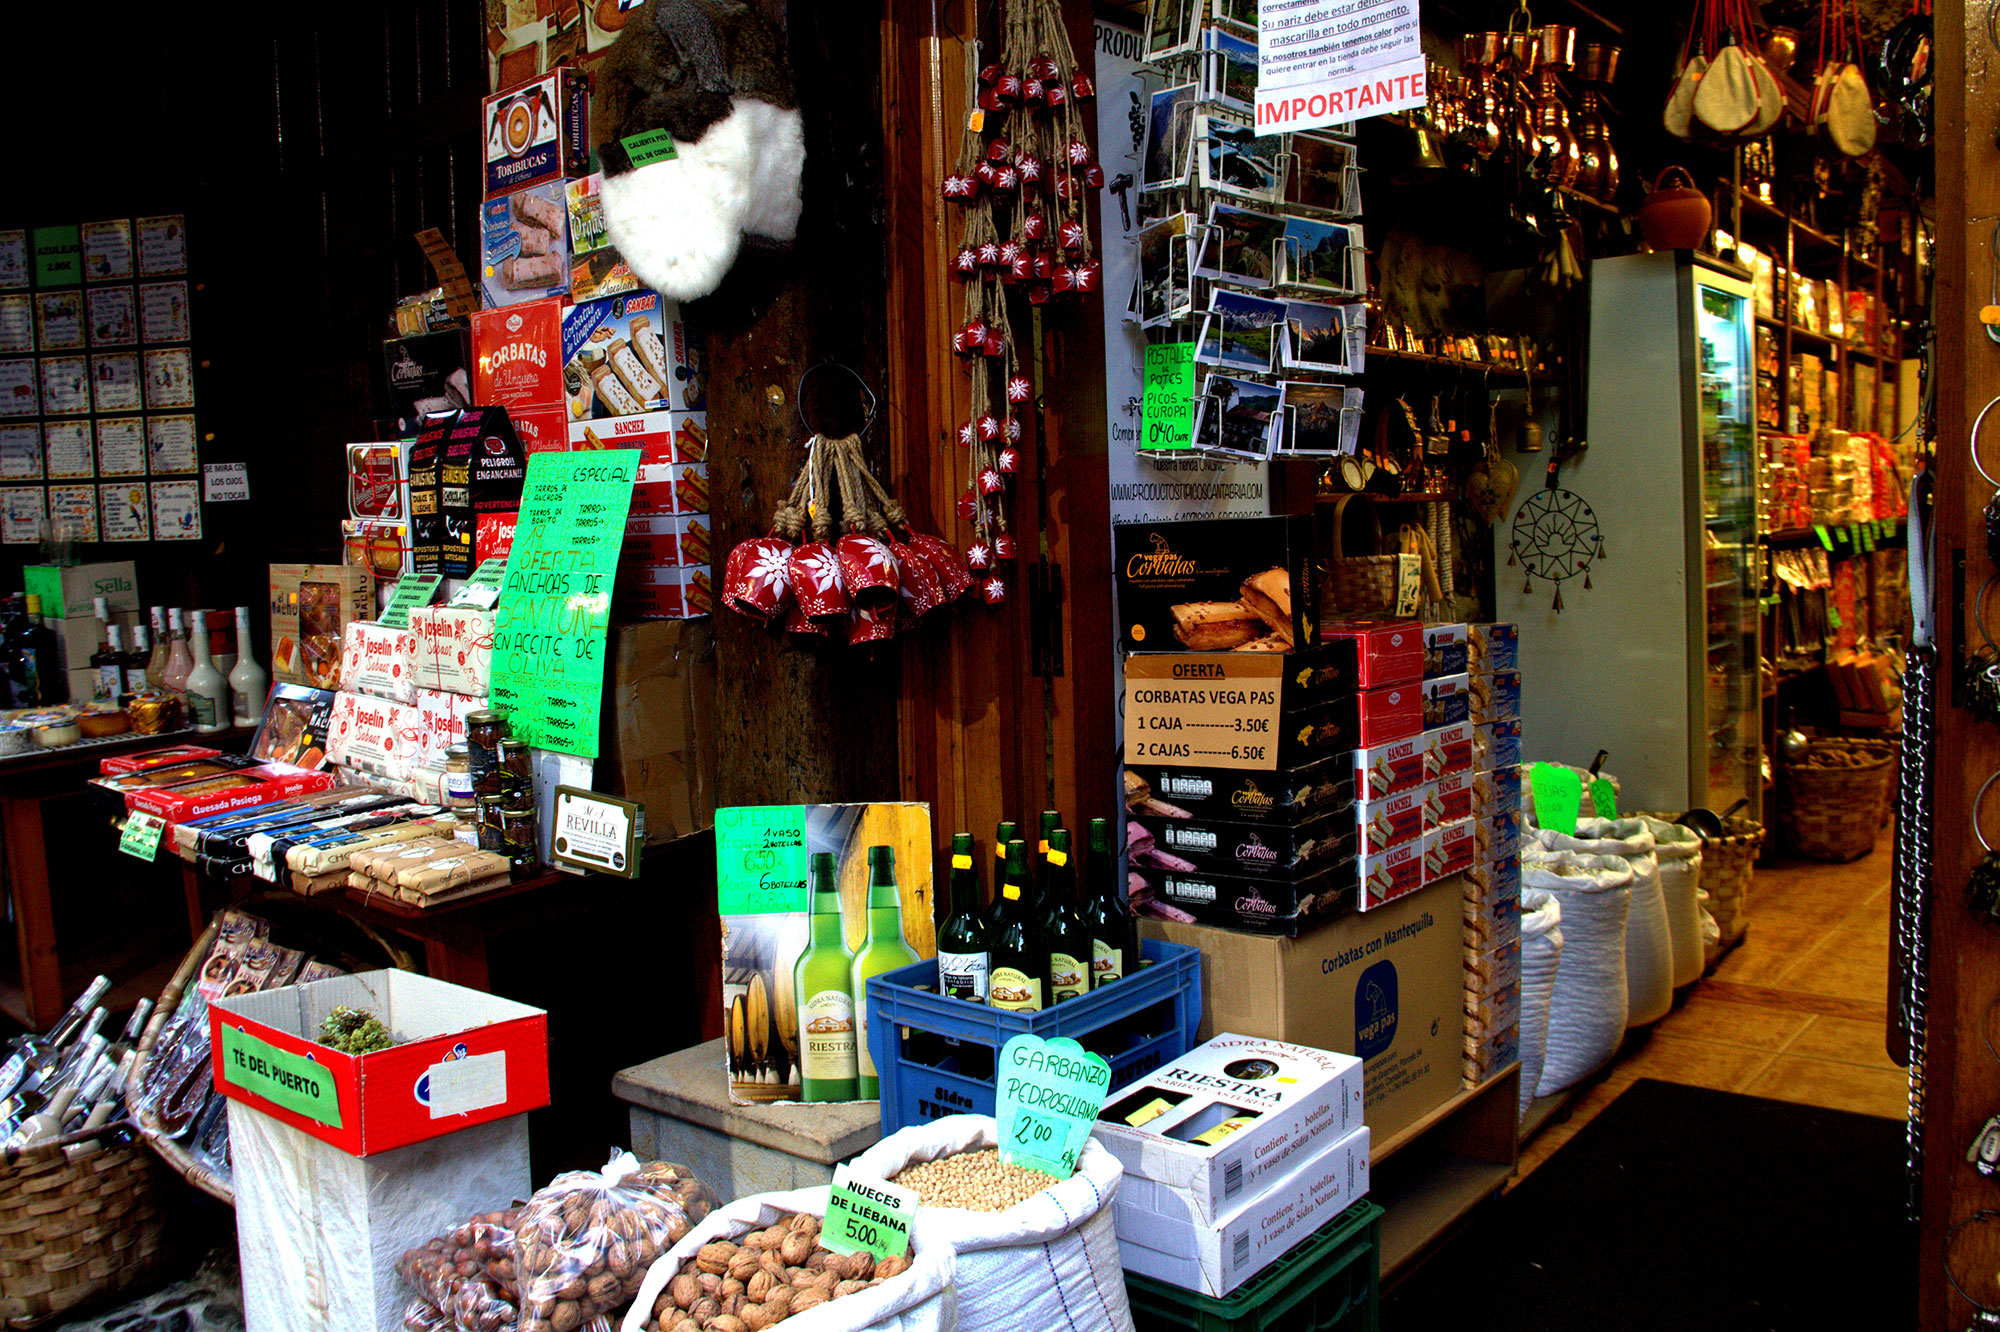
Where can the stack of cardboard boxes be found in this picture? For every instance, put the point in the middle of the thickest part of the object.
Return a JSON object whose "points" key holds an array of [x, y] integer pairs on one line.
{"points": [[1391, 756], [1233, 1154], [68, 594], [1493, 880]]}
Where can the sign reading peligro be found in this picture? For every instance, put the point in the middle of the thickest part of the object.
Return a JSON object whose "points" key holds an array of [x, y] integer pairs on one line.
{"points": [[555, 602], [1320, 62], [1205, 710]]}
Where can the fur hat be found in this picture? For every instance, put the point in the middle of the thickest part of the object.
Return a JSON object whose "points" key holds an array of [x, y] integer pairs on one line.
{"points": [[713, 74]]}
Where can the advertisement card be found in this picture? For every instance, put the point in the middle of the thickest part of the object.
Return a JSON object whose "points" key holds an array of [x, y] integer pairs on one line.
{"points": [[113, 316], [517, 355], [107, 251], [21, 452], [126, 514], [17, 323], [524, 246], [23, 510], [121, 446], [114, 382], [58, 320], [65, 385], [13, 258], [162, 245], [778, 992], [169, 377], [66, 450], [163, 311], [176, 510], [18, 393], [73, 511], [170, 442]]}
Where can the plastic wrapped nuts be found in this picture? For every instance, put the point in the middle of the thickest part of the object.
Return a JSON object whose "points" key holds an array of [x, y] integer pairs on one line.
{"points": [[585, 1242], [469, 1273]]}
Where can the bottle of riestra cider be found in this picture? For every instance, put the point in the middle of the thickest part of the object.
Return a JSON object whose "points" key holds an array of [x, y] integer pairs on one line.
{"points": [[1069, 946], [885, 950], [821, 985], [1106, 912], [1020, 956]]}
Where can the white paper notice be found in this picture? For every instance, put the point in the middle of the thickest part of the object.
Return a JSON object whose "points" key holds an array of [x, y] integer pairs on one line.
{"points": [[23, 509], [1320, 62], [113, 316], [73, 511], [13, 258], [225, 481], [17, 388], [460, 1086], [17, 323], [66, 445]]}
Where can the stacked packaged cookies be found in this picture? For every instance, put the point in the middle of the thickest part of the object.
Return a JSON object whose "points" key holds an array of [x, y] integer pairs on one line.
{"points": [[1493, 879]]}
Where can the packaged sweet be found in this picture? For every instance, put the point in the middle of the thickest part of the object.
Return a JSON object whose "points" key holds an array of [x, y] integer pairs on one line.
{"points": [[377, 660]]}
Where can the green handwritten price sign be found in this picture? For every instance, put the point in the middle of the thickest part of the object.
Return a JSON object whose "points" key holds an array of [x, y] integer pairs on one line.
{"points": [[482, 590], [1558, 797], [1045, 1100], [285, 1079], [412, 591], [555, 602], [1604, 799], [1168, 406], [868, 1216], [760, 859], [141, 836]]}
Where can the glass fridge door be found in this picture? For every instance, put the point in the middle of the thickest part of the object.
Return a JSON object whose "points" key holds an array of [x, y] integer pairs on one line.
{"points": [[1732, 728]]}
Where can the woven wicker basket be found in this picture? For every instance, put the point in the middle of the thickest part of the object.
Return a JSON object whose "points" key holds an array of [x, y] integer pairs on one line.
{"points": [[1362, 584], [76, 1231], [1727, 863], [171, 1151], [1835, 813]]}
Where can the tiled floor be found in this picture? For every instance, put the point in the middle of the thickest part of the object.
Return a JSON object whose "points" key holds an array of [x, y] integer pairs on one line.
{"points": [[1796, 1013]]}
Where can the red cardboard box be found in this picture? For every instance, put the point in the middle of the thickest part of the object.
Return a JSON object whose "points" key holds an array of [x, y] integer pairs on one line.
{"points": [[541, 429], [1386, 652], [1383, 716], [517, 355], [1397, 766], [1448, 800], [1448, 749], [660, 437], [468, 1058], [1389, 874], [493, 536], [237, 790], [155, 758]]}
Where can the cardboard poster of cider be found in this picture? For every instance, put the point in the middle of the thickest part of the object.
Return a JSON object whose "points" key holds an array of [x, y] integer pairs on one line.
{"points": [[1229, 1118]]}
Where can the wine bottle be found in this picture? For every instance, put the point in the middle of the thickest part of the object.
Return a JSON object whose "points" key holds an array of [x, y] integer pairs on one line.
{"points": [[885, 950], [1051, 820], [1069, 961], [137, 660], [1020, 957], [41, 658], [107, 665], [821, 981], [965, 961], [1106, 912]]}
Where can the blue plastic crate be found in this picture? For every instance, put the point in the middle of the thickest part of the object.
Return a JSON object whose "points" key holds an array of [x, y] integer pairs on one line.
{"points": [[1137, 1024]]}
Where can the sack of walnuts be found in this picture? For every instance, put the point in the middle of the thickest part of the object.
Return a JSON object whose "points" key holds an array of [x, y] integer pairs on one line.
{"points": [[585, 1242]]}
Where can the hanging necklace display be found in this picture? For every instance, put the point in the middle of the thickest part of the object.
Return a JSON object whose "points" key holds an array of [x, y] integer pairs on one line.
{"points": [[1554, 537], [1910, 868], [1024, 172]]}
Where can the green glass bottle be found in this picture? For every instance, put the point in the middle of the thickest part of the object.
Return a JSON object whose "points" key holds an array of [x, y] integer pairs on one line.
{"points": [[1003, 835], [1106, 912], [822, 987], [1020, 957], [1051, 820], [1069, 942], [965, 958], [885, 950]]}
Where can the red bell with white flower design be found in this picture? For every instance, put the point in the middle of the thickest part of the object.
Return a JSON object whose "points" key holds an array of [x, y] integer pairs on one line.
{"points": [[948, 562], [1039, 293], [1034, 226], [993, 589], [1008, 89], [917, 581], [1007, 179], [1021, 269], [1093, 176], [1033, 93], [986, 172], [979, 556], [991, 482], [990, 74], [1089, 276], [1064, 279], [1009, 461], [1077, 153], [999, 150], [1081, 88], [868, 571], [967, 506], [1054, 94], [1019, 389], [965, 265], [996, 342], [1071, 234], [960, 188], [1045, 266], [1044, 67], [1003, 546], [1031, 168], [816, 585], [756, 580], [798, 622], [871, 624], [989, 426]]}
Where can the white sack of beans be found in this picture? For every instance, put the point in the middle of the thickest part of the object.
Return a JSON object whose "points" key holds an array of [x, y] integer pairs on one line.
{"points": [[1049, 1263], [921, 1298]]}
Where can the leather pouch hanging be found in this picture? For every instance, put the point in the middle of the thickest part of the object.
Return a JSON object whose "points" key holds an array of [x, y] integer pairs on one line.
{"points": [[1725, 100]]}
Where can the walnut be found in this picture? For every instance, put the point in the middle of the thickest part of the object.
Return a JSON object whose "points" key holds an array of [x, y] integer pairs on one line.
{"points": [[806, 1299], [742, 1264], [759, 1286], [715, 1257], [757, 1317], [853, 1266], [795, 1249], [779, 1300], [727, 1323], [849, 1288], [684, 1289], [894, 1266]]}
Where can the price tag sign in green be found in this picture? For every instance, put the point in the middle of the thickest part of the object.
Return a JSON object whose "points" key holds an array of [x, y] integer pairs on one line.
{"points": [[1168, 408], [141, 836], [280, 1077], [1045, 1101], [482, 590], [412, 591], [1603, 799], [649, 147], [868, 1216], [760, 859], [1558, 797], [1825, 537]]}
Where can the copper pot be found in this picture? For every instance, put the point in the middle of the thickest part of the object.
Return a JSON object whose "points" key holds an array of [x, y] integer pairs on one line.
{"points": [[1556, 45], [1481, 50], [1599, 63], [1523, 52], [1675, 217], [1781, 48]]}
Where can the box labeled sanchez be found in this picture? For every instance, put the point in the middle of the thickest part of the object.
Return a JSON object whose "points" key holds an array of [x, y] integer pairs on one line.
{"points": [[1226, 1119], [1220, 585], [466, 1058]]}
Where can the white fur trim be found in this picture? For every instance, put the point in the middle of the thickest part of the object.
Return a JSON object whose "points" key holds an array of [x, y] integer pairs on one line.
{"points": [[679, 223]]}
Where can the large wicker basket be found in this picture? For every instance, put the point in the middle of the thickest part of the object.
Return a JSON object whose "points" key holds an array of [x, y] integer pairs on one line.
{"points": [[1359, 584], [1834, 813], [76, 1231], [170, 1149]]}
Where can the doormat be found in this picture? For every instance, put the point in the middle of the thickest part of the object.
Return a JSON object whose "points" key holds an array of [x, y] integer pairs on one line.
{"points": [[1679, 1208]]}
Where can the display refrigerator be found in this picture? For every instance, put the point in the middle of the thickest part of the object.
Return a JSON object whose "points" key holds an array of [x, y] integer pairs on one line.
{"points": [[1633, 568]]}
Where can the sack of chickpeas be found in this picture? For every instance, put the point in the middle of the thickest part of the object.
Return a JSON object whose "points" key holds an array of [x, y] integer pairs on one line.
{"points": [[1033, 1251], [757, 1263]]}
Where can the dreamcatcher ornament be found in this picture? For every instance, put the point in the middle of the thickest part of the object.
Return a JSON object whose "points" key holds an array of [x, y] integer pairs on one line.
{"points": [[1025, 168], [1555, 537]]}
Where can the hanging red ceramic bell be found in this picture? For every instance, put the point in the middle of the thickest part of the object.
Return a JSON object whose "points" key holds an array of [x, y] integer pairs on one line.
{"points": [[814, 570], [991, 482], [1081, 88], [1019, 389], [1008, 89], [960, 187], [990, 75], [961, 345], [1054, 94], [1039, 293], [1044, 68], [1071, 235], [917, 581], [965, 265], [1089, 275], [1008, 461], [1077, 153], [996, 342], [756, 580], [1003, 546], [1031, 168], [967, 433], [993, 589], [871, 624], [989, 427], [947, 561], [1032, 93], [1022, 269], [989, 254], [1064, 279], [999, 150], [988, 100], [987, 172], [1045, 265], [1011, 431], [1034, 226], [1093, 176], [967, 506], [1007, 179], [979, 556]]}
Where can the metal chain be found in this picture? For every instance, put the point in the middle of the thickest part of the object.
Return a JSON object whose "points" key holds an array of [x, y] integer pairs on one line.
{"points": [[1912, 896]]}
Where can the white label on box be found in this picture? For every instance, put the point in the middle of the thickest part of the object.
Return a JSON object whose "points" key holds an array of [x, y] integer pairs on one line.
{"points": [[223, 482], [460, 1086]]}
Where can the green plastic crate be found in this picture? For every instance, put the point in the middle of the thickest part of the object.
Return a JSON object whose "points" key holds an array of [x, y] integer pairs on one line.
{"points": [[1329, 1283]]}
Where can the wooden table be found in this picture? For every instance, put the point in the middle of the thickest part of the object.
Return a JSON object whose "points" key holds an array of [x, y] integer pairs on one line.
{"points": [[26, 781]]}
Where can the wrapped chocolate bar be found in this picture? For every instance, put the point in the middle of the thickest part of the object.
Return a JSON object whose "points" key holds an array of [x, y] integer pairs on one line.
{"points": [[377, 660]]}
